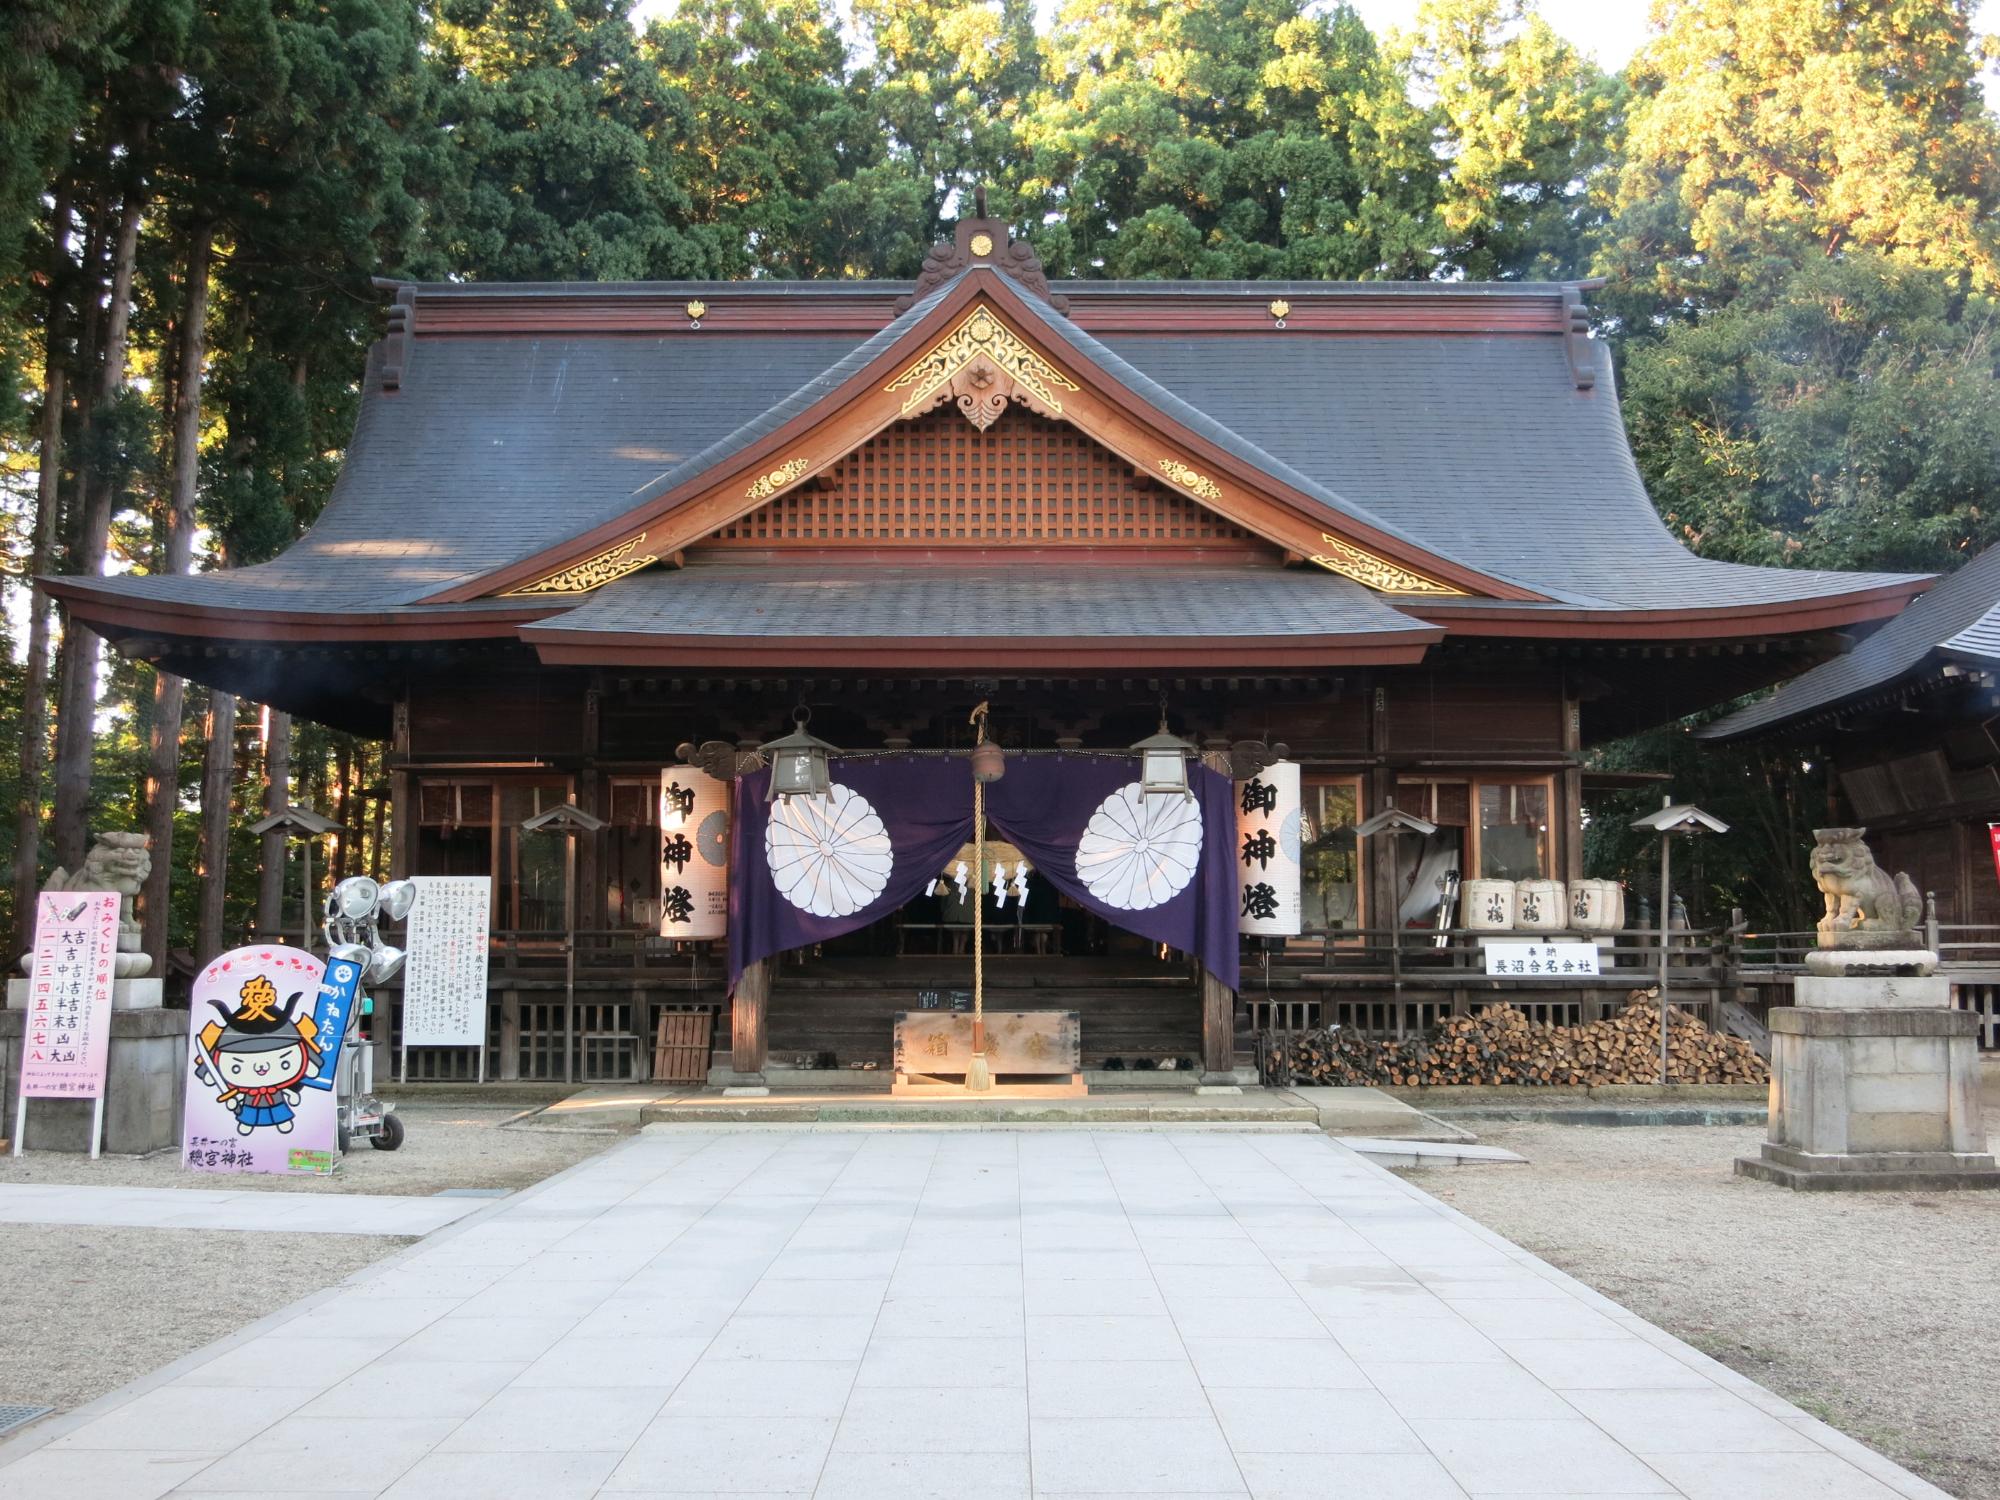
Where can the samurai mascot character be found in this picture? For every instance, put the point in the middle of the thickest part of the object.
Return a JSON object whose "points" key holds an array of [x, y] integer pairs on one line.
{"points": [[260, 1054]]}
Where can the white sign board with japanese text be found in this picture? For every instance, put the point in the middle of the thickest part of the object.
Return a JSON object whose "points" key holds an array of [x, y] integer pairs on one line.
{"points": [[444, 975], [694, 854], [1268, 817], [1540, 960]]}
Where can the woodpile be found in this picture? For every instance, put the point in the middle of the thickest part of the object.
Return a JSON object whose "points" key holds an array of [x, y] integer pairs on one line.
{"points": [[1500, 1045]]}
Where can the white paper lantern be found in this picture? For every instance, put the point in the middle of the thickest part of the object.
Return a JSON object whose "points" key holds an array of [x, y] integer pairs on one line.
{"points": [[694, 854], [1268, 815]]}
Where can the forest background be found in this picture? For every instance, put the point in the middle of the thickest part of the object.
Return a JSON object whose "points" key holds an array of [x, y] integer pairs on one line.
{"points": [[1796, 204]]}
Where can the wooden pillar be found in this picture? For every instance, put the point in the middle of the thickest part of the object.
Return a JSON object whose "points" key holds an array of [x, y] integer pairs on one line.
{"points": [[746, 1019], [1218, 1030], [402, 825], [1569, 789], [1378, 787]]}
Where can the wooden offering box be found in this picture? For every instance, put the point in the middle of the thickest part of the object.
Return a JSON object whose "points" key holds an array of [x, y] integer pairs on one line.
{"points": [[1038, 1050]]}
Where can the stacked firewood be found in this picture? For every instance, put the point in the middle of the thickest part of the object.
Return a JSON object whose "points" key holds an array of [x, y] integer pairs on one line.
{"points": [[1500, 1045]]}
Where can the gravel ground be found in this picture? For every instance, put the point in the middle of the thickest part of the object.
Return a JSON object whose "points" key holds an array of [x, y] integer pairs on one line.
{"points": [[449, 1145], [65, 1288], [1879, 1313]]}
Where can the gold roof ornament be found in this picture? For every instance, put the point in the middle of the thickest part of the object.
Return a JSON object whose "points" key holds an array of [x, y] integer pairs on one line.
{"points": [[1280, 309], [1377, 573], [767, 485], [981, 364], [591, 573], [981, 244], [1190, 479], [697, 310]]}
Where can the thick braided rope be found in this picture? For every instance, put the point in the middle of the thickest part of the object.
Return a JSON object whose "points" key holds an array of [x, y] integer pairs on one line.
{"points": [[979, 902]]}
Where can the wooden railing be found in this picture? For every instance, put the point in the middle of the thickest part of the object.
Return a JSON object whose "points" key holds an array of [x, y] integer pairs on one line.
{"points": [[1368, 955]]}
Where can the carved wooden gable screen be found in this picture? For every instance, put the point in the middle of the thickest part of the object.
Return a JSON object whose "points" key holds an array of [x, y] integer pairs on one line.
{"points": [[939, 480]]}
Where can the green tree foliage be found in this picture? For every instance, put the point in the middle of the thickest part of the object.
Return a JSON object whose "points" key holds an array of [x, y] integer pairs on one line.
{"points": [[1225, 138], [1522, 124], [1851, 421], [783, 168], [558, 122], [1766, 132], [948, 80]]}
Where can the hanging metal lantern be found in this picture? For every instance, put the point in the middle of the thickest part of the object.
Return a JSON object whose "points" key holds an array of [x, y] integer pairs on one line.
{"points": [[1163, 759], [798, 762], [989, 763]]}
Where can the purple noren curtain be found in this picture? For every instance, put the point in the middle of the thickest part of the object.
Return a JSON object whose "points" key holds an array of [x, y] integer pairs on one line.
{"points": [[894, 823]]}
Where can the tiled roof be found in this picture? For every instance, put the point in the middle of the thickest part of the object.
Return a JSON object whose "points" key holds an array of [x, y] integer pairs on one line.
{"points": [[1476, 448], [947, 601], [1958, 617]]}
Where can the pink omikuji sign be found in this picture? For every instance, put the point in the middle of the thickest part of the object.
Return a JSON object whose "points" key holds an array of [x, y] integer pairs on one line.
{"points": [[68, 1032]]}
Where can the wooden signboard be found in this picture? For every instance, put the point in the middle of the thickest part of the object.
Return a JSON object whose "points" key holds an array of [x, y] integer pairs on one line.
{"points": [[1042, 1047]]}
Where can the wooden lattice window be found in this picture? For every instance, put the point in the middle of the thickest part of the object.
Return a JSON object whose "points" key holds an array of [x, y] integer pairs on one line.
{"points": [[940, 481]]}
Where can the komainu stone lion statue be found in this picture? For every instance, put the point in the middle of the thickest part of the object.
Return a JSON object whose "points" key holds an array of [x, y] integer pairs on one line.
{"points": [[116, 862], [1865, 907]]}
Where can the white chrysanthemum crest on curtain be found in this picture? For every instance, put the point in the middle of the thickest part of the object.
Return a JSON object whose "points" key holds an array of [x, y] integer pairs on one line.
{"points": [[1139, 851], [828, 855]]}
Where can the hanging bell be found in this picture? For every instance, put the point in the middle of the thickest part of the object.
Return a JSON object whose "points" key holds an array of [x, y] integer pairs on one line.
{"points": [[989, 763]]}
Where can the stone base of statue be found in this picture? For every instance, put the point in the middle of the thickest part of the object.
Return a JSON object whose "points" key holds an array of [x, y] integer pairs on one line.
{"points": [[1874, 1080], [144, 1068]]}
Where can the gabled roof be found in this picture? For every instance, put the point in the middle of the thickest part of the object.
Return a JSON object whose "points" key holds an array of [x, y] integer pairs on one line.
{"points": [[1460, 433], [1959, 619]]}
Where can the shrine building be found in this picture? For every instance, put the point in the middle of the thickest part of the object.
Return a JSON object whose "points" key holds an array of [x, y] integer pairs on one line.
{"points": [[603, 544]]}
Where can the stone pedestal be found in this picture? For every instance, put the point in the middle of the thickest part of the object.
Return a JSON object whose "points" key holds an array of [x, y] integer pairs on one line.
{"points": [[1874, 1086], [144, 1075]]}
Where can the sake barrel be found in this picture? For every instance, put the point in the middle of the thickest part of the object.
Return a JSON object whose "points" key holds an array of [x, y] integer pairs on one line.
{"points": [[1541, 906], [1488, 905], [1597, 905]]}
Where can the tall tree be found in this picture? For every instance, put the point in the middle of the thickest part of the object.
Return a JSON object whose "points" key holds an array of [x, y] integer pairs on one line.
{"points": [[1852, 420], [948, 81], [107, 464], [1225, 138], [786, 171], [163, 777], [1766, 132], [550, 108], [1521, 122]]}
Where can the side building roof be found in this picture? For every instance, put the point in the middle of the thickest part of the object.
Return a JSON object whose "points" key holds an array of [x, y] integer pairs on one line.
{"points": [[1957, 620]]}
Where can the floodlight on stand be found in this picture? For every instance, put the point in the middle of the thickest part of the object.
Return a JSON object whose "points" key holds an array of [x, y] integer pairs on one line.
{"points": [[398, 896], [384, 963], [798, 761], [1163, 759], [356, 898]]}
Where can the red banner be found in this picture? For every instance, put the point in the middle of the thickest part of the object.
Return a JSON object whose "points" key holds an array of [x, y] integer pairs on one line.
{"points": [[1993, 837]]}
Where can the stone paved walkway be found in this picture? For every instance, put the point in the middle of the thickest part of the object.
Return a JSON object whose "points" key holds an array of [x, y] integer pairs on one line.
{"points": [[880, 1314], [205, 1208]]}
